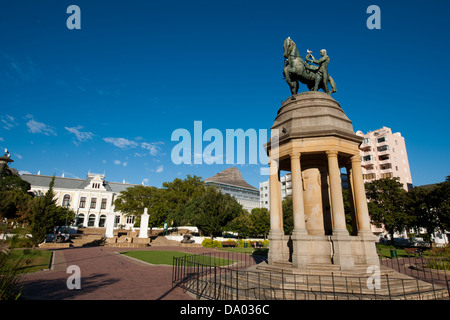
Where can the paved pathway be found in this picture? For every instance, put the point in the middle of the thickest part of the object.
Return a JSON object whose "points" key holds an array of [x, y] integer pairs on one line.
{"points": [[105, 275]]}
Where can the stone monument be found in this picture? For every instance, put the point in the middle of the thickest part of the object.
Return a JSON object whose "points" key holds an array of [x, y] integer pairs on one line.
{"points": [[316, 139]]}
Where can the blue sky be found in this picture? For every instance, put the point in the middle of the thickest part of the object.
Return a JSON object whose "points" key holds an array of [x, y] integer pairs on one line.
{"points": [[108, 97]]}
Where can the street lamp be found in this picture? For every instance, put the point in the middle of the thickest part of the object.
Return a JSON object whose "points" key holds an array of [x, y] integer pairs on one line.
{"points": [[4, 160]]}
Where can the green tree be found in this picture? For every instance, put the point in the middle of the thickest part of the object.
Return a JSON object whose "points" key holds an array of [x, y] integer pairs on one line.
{"points": [[388, 204], [242, 224], [45, 215], [179, 193], [260, 221], [15, 202], [212, 211], [430, 207], [288, 215], [133, 201]]}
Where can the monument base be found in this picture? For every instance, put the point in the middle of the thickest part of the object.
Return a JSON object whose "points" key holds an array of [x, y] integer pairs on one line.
{"points": [[278, 247]]}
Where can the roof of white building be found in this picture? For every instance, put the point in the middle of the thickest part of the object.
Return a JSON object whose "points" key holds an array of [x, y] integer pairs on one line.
{"points": [[71, 183]]}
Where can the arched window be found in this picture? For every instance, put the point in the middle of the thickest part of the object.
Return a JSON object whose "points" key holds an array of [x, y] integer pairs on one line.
{"points": [[91, 220], [80, 220], [66, 200], [101, 222]]}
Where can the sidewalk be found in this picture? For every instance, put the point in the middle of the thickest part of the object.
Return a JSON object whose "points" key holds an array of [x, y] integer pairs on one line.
{"points": [[105, 275]]}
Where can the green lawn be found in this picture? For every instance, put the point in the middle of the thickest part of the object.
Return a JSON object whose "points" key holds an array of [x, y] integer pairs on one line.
{"points": [[31, 260], [166, 257], [248, 250]]}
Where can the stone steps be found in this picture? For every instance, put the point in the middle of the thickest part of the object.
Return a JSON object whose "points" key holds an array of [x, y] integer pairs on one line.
{"points": [[162, 241], [84, 240], [261, 284]]}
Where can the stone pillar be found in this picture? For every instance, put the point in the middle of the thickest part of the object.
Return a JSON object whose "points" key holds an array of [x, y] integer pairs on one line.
{"points": [[369, 252], [276, 234], [337, 202], [342, 253], [276, 217], [362, 212], [300, 254], [143, 232], [297, 193], [351, 199]]}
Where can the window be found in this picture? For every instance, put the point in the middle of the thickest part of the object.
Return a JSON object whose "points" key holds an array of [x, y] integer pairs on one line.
{"points": [[83, 202], [130, 219], [369, 176], [368, 158], [382, 139], [101, 222], [385, 166], [103, 205], [384, 157], [366, 140], [387, 175], [91, 220], [93, 203], [66, 200], [383, 148], [80, 220]]}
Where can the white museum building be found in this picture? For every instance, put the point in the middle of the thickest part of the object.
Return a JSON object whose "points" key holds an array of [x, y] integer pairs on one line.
{"points": [[92, 199]]}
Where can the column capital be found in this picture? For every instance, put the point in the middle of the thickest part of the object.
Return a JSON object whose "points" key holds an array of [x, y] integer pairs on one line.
{"points": [[355, 158], [295, 155], [332, 153]]}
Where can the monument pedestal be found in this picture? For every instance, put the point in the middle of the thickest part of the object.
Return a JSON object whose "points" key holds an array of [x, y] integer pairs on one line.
{"points": [[315, 140], [278, 244]]}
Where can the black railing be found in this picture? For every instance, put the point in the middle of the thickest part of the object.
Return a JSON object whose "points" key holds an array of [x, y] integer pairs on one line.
{"points": [[233, 276]]}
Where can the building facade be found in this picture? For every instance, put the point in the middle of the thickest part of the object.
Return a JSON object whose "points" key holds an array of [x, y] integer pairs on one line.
{"points": [[230, 181], [264, 190], [383, 155], [92, 199]]}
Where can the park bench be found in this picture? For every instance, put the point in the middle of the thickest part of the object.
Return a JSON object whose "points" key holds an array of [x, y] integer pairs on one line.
{"points": [[256, 244], [413, 251], [228, 244]]}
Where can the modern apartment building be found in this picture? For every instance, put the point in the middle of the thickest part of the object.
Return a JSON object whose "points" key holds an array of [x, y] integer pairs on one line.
{"points": [[264, 190], [383, 155]]}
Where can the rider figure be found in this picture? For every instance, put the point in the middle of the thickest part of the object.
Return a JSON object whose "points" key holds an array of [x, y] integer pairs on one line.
{"points": [[322, 73]]}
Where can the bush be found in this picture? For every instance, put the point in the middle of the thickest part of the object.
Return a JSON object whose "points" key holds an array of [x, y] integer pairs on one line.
{"points": [[208, 243]]}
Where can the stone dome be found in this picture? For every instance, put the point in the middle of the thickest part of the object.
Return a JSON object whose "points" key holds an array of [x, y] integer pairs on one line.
{"points": [[313, 114]]}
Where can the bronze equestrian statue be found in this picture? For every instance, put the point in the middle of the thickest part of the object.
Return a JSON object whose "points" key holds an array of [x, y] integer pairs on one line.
{"points": [[298, 70]]}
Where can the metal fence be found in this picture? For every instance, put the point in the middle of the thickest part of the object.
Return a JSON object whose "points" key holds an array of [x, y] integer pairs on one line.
{"points": [[233, 276]]}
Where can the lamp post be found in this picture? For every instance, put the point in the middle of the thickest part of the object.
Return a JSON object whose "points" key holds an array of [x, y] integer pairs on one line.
{"points": [[4, 160]]}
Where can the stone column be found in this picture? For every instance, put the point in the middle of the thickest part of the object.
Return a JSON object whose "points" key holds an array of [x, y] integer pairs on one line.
{"points": [[276, 234], [337, 202], [342, 253], [360, 195], [297, 193], [300, 254], [143, 232], [369, 254], [276, 217]]}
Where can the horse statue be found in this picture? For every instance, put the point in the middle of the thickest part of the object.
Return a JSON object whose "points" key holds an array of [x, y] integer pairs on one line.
{"points": [[298, 70]]}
